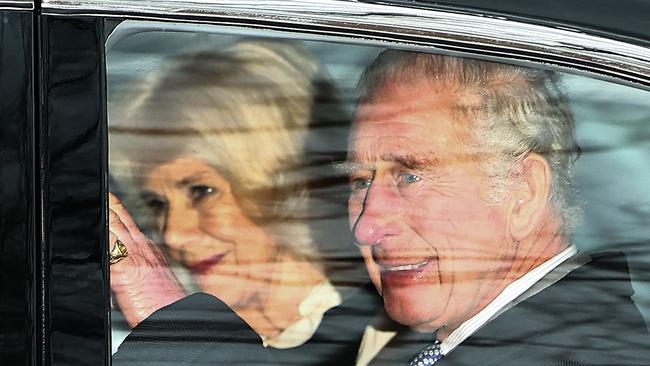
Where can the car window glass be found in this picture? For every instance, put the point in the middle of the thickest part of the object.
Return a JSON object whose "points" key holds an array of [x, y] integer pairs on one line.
{"points": [[239, 190]]}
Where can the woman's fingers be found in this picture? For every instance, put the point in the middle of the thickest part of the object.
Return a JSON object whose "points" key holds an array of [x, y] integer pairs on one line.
{"points": [[116, 206], [123, 227], [142, 282], [142, 252], [119, 231]]}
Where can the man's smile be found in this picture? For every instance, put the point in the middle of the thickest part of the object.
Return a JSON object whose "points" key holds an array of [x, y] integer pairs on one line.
{"points": [[404, 267], [403, 275]]}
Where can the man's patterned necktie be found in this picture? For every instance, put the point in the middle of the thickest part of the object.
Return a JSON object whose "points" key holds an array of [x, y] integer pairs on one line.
{"points": [[428, 356]]}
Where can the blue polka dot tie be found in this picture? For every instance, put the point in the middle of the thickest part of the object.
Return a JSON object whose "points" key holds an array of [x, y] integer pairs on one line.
{"points": [[428, 356]]}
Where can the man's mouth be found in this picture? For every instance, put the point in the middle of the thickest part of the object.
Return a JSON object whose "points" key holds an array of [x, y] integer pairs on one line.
{"points": [[400, 275], [205, 265], [405, 267]]}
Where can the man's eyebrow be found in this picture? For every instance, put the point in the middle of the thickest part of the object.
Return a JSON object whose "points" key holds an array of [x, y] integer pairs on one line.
{"points": [[422, 162], [347, 167]]}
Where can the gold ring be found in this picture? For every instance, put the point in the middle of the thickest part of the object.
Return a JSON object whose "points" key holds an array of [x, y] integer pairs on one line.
{"points": [[118, 252]]}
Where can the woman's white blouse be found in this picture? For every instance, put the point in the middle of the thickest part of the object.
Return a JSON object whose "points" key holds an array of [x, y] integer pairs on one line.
{"points": [[321, 298]]}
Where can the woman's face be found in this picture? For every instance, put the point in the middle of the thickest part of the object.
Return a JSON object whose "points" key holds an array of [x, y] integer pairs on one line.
{"points": [[203, 227]]}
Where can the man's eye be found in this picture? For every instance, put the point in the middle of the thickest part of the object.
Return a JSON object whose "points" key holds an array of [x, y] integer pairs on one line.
{"points": [[200, 191], [408, 178], [357, 184]]}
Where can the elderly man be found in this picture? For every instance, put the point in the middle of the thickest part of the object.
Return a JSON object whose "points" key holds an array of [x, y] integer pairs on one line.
{"points": [[460, 202]]}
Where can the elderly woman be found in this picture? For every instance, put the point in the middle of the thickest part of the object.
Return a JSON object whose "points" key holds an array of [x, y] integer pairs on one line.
{"points": [[214, 148]]}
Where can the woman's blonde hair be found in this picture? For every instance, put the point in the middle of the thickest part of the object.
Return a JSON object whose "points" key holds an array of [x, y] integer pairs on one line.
{"points": [[245, 110]]}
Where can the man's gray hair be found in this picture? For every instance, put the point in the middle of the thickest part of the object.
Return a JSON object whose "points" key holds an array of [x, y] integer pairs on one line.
{"points": [[515, 111]]}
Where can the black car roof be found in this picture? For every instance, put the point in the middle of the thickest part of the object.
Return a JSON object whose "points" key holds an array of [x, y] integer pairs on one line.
{"points": [[623, 19]]}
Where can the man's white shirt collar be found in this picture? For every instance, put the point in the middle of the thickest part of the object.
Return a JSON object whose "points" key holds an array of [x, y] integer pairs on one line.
{"points": [[505, 298], [374, 340]]}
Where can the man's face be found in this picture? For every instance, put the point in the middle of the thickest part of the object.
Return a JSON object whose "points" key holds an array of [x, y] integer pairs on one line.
{"points": [[434, 246]]}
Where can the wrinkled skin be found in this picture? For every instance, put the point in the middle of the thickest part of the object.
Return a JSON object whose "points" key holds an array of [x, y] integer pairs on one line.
{"points": [[204, 228], [142, 282], [435, 246]]}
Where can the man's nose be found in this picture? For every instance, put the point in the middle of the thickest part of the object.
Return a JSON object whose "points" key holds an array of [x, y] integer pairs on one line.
{"points": [[181, 228], [379, 215]]}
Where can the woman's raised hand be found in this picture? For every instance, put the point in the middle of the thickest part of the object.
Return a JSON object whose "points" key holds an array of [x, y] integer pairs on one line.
{"points": [[142, 281]]}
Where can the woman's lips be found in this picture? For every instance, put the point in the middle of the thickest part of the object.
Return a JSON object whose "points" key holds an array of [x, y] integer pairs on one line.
{"points": [[204, 266]]}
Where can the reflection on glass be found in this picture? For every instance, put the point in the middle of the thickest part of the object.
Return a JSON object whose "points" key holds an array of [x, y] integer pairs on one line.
{"points": [[214, 149], [470, 198], [462, 201]]}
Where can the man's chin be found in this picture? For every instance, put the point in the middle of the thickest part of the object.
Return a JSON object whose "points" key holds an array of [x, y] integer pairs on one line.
{"points": [[420, 315]]}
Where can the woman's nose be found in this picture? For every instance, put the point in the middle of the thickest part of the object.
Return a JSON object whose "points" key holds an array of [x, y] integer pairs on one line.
{"points": [[181, 227], [378, 216]]}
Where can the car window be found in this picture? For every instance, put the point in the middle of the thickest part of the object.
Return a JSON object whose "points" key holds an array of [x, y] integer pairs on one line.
{"points": [[265, 180]]}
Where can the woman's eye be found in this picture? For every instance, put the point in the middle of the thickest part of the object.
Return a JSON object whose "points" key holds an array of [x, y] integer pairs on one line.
{"points": [[200, 191], [408, 178], [156, 205]]}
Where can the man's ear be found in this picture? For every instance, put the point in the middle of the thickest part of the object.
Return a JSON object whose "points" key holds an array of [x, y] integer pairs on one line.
{"points": [[529, 201]]}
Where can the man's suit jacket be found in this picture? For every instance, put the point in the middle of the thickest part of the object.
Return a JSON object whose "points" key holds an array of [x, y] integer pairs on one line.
{"points": [[586, 318]]}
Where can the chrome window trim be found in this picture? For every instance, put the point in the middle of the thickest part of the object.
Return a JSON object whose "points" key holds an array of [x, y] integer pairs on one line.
{"points": [[16, 5], [447, 30]]}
